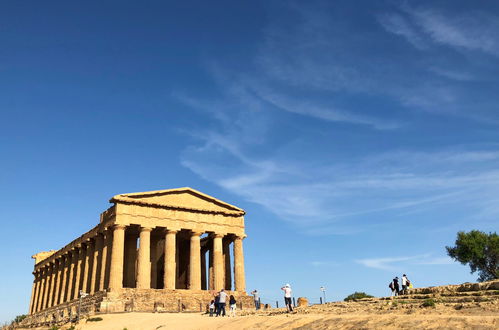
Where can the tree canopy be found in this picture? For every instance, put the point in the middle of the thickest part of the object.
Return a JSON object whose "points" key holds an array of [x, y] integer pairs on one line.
{"points": [[480, 250]]}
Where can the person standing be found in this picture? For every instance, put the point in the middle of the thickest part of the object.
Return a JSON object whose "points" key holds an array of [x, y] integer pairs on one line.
{"points": [[232, 304], [396, 286], [256, 298], [221, 302], [212, 307], [287, 297], [217, 303], [405, 284]]}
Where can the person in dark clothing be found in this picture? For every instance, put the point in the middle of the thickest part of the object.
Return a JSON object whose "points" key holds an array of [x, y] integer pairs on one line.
{"points": [[217, 304], [232, 305], [396, 286]]}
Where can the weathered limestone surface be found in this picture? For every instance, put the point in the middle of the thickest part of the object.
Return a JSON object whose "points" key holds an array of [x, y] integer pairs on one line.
{"points": [[148, 252], [302, 302]]}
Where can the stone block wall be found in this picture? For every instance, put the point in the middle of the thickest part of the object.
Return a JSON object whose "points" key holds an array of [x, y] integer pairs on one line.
{"points": [[132, 300]]}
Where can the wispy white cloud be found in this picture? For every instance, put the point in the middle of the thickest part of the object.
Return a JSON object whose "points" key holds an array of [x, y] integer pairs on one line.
{"points": [[397, 263], [326, 195], [317, 263], [401, 26], [472, 31], [304, 69], [476, 31]]}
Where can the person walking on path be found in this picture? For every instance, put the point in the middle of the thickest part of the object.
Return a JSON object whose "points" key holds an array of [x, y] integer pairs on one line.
{"points": [[232, 304], [405, 284], [221, 302], [396, 287], [287, 297], [256, 298], [212, 308]]}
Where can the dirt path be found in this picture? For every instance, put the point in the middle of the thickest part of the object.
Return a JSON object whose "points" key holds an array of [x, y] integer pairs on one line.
{"points": [[150, 321]]}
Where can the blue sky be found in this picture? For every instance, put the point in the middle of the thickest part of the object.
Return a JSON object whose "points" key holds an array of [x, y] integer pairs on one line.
{"points": [[358, 136]]}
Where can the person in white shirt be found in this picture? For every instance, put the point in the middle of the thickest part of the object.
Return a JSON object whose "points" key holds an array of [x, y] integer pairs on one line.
{"points": [[405, 284], [287, 297], [256, 298], [221, 302]]}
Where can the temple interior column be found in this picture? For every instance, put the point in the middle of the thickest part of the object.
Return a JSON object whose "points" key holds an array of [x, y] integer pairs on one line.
{"points": [[78, 271], [195, 262], [227, 270], [240, 282], [203, 269], [144, 259], [117, 254], [218, 264], [170, 259], [130, 258]]}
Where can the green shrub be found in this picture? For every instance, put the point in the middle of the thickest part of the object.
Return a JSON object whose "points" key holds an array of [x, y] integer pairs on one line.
{"points": [[428, 303], [54, 327], [94, 319], [19, 318], [357, 295]]}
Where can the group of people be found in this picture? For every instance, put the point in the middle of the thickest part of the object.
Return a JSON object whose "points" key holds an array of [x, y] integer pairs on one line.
{"points": [[287, 298], [217, 305], [395, 286]]}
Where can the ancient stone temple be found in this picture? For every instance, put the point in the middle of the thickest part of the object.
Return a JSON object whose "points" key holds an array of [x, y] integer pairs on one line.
{"points": [[166, 250]]}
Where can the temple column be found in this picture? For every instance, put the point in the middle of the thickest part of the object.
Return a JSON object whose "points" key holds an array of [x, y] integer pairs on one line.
{"points": [[117, 254], [240, 282], [64, 276], [48, 274], [34, 292], [211, 277], [50, 301], [228, 272], [203, 270], [43, 278], [87, 273], [144, 259], [96, 265], [55, 298], [71, 274], [130, 259], [106, 259], [154, 261], [170, 262], [79, 271], [218, 266], [195, 262]]}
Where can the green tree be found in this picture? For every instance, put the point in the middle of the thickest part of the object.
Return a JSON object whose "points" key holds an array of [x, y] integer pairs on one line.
{"points": [[19, 318], [480, 250], [357, 295]]}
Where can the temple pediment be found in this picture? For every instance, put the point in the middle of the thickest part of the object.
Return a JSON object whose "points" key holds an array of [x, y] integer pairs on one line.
{"points": [[179, 198]]}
